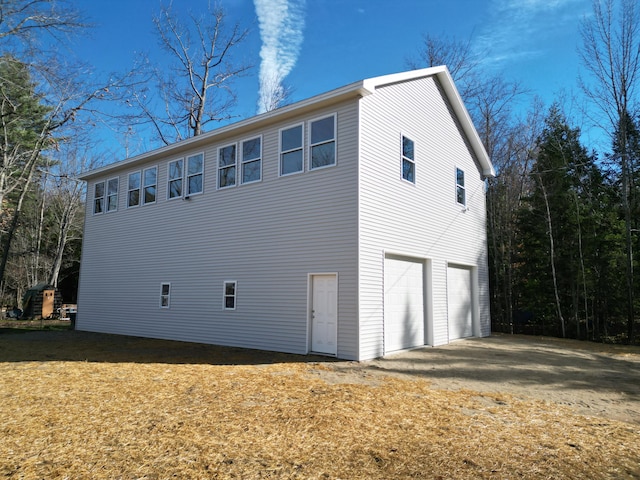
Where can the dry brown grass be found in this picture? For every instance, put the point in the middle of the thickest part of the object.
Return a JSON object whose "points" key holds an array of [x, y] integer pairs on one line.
{"points": [[80, 407]]}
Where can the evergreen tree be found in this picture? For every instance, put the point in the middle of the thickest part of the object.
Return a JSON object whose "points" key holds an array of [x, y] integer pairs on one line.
{"points": [[558, 225], [22, 120], [25, 134]]}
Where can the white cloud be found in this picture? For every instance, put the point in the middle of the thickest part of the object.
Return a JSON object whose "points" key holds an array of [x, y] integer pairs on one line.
{"points": [[281, 30], [517, 28]]}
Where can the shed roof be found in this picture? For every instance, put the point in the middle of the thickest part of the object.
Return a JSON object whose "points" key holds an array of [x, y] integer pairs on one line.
{"points": [[352, 90], [41, 287]]}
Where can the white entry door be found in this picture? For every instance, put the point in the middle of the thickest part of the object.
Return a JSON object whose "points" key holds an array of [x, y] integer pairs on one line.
{"points": [[459, 302], [324, 314]]}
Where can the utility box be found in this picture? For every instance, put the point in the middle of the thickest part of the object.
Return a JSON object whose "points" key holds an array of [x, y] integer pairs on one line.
{"points": [[41, 301]]}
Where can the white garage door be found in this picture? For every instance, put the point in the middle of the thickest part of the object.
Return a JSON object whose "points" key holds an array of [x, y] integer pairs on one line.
{"points": [[403, 303], [459, 302]]}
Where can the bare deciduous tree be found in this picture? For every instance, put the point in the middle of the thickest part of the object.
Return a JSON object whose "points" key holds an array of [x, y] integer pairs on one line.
{"points": [[611, 54], [197, 87], [67, 99], [459, 57], [66, 193], [24, 20]]}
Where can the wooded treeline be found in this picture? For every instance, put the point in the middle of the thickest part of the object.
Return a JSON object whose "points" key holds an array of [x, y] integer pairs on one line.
{"points": [[52, 106], [562, 217]]}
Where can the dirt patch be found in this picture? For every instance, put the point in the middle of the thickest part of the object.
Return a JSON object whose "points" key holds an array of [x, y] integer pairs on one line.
{"points": [[590, 378]]}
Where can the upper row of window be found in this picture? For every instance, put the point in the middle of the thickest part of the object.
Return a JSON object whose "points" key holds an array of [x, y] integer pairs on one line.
{"points": [[238, 163]]}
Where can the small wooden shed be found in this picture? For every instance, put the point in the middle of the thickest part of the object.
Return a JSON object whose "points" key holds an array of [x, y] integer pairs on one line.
{"points": [[41, 301]]}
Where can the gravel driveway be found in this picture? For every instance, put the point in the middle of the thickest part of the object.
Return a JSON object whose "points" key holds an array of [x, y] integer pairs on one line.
{"points": [[591, 378]]}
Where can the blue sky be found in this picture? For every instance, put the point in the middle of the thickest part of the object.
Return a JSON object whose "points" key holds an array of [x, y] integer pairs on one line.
{"points": [[342, 41]]}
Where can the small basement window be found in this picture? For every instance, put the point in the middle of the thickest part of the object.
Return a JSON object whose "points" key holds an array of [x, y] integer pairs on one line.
{"points": [[165, 295], [229, 295]]}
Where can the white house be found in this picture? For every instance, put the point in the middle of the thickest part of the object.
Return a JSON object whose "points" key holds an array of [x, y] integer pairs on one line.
{"points": [[349, 224]]}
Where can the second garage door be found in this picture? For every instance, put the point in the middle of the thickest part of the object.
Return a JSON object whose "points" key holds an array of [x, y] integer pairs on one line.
{"points": [[459, 302], [403, 303]]}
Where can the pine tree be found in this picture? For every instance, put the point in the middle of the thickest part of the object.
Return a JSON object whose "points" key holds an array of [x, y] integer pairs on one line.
{"points": [[25, 135], [556, 225]]}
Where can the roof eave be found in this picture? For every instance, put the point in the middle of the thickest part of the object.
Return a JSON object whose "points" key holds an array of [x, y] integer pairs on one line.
{"points": [[353, 90], [445, 79], [467, 124]]}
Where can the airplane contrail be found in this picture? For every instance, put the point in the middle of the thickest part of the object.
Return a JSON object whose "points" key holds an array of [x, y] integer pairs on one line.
{"points": [[281, 30]]}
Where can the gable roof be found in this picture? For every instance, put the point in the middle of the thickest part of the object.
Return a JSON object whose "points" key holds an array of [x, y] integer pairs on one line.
{"points": [[455, 100], [352, 90]]}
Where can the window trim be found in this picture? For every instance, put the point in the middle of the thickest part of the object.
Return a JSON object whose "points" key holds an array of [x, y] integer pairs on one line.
{"points": [[169, 179], [404, 158], [163, 295], [144, 186], [225, 167], [281, 152], [185, 191], [333, 140], [243, 161], [225, 296], [107, 196], [129, 190], [102, 197], [460, 187]]}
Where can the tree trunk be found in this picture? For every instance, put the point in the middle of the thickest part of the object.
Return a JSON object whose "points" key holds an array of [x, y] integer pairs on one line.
{"points": [[36, 266], [14, 221], [553, 262], [63, 232], [624, 160]]}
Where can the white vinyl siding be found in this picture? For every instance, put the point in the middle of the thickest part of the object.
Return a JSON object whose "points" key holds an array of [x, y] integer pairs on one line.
{"points": [[272, 236], [421, 222], [276, 232]]}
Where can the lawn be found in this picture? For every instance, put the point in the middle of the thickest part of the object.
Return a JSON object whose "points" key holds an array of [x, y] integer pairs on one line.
{"points": [[80, 405]]}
